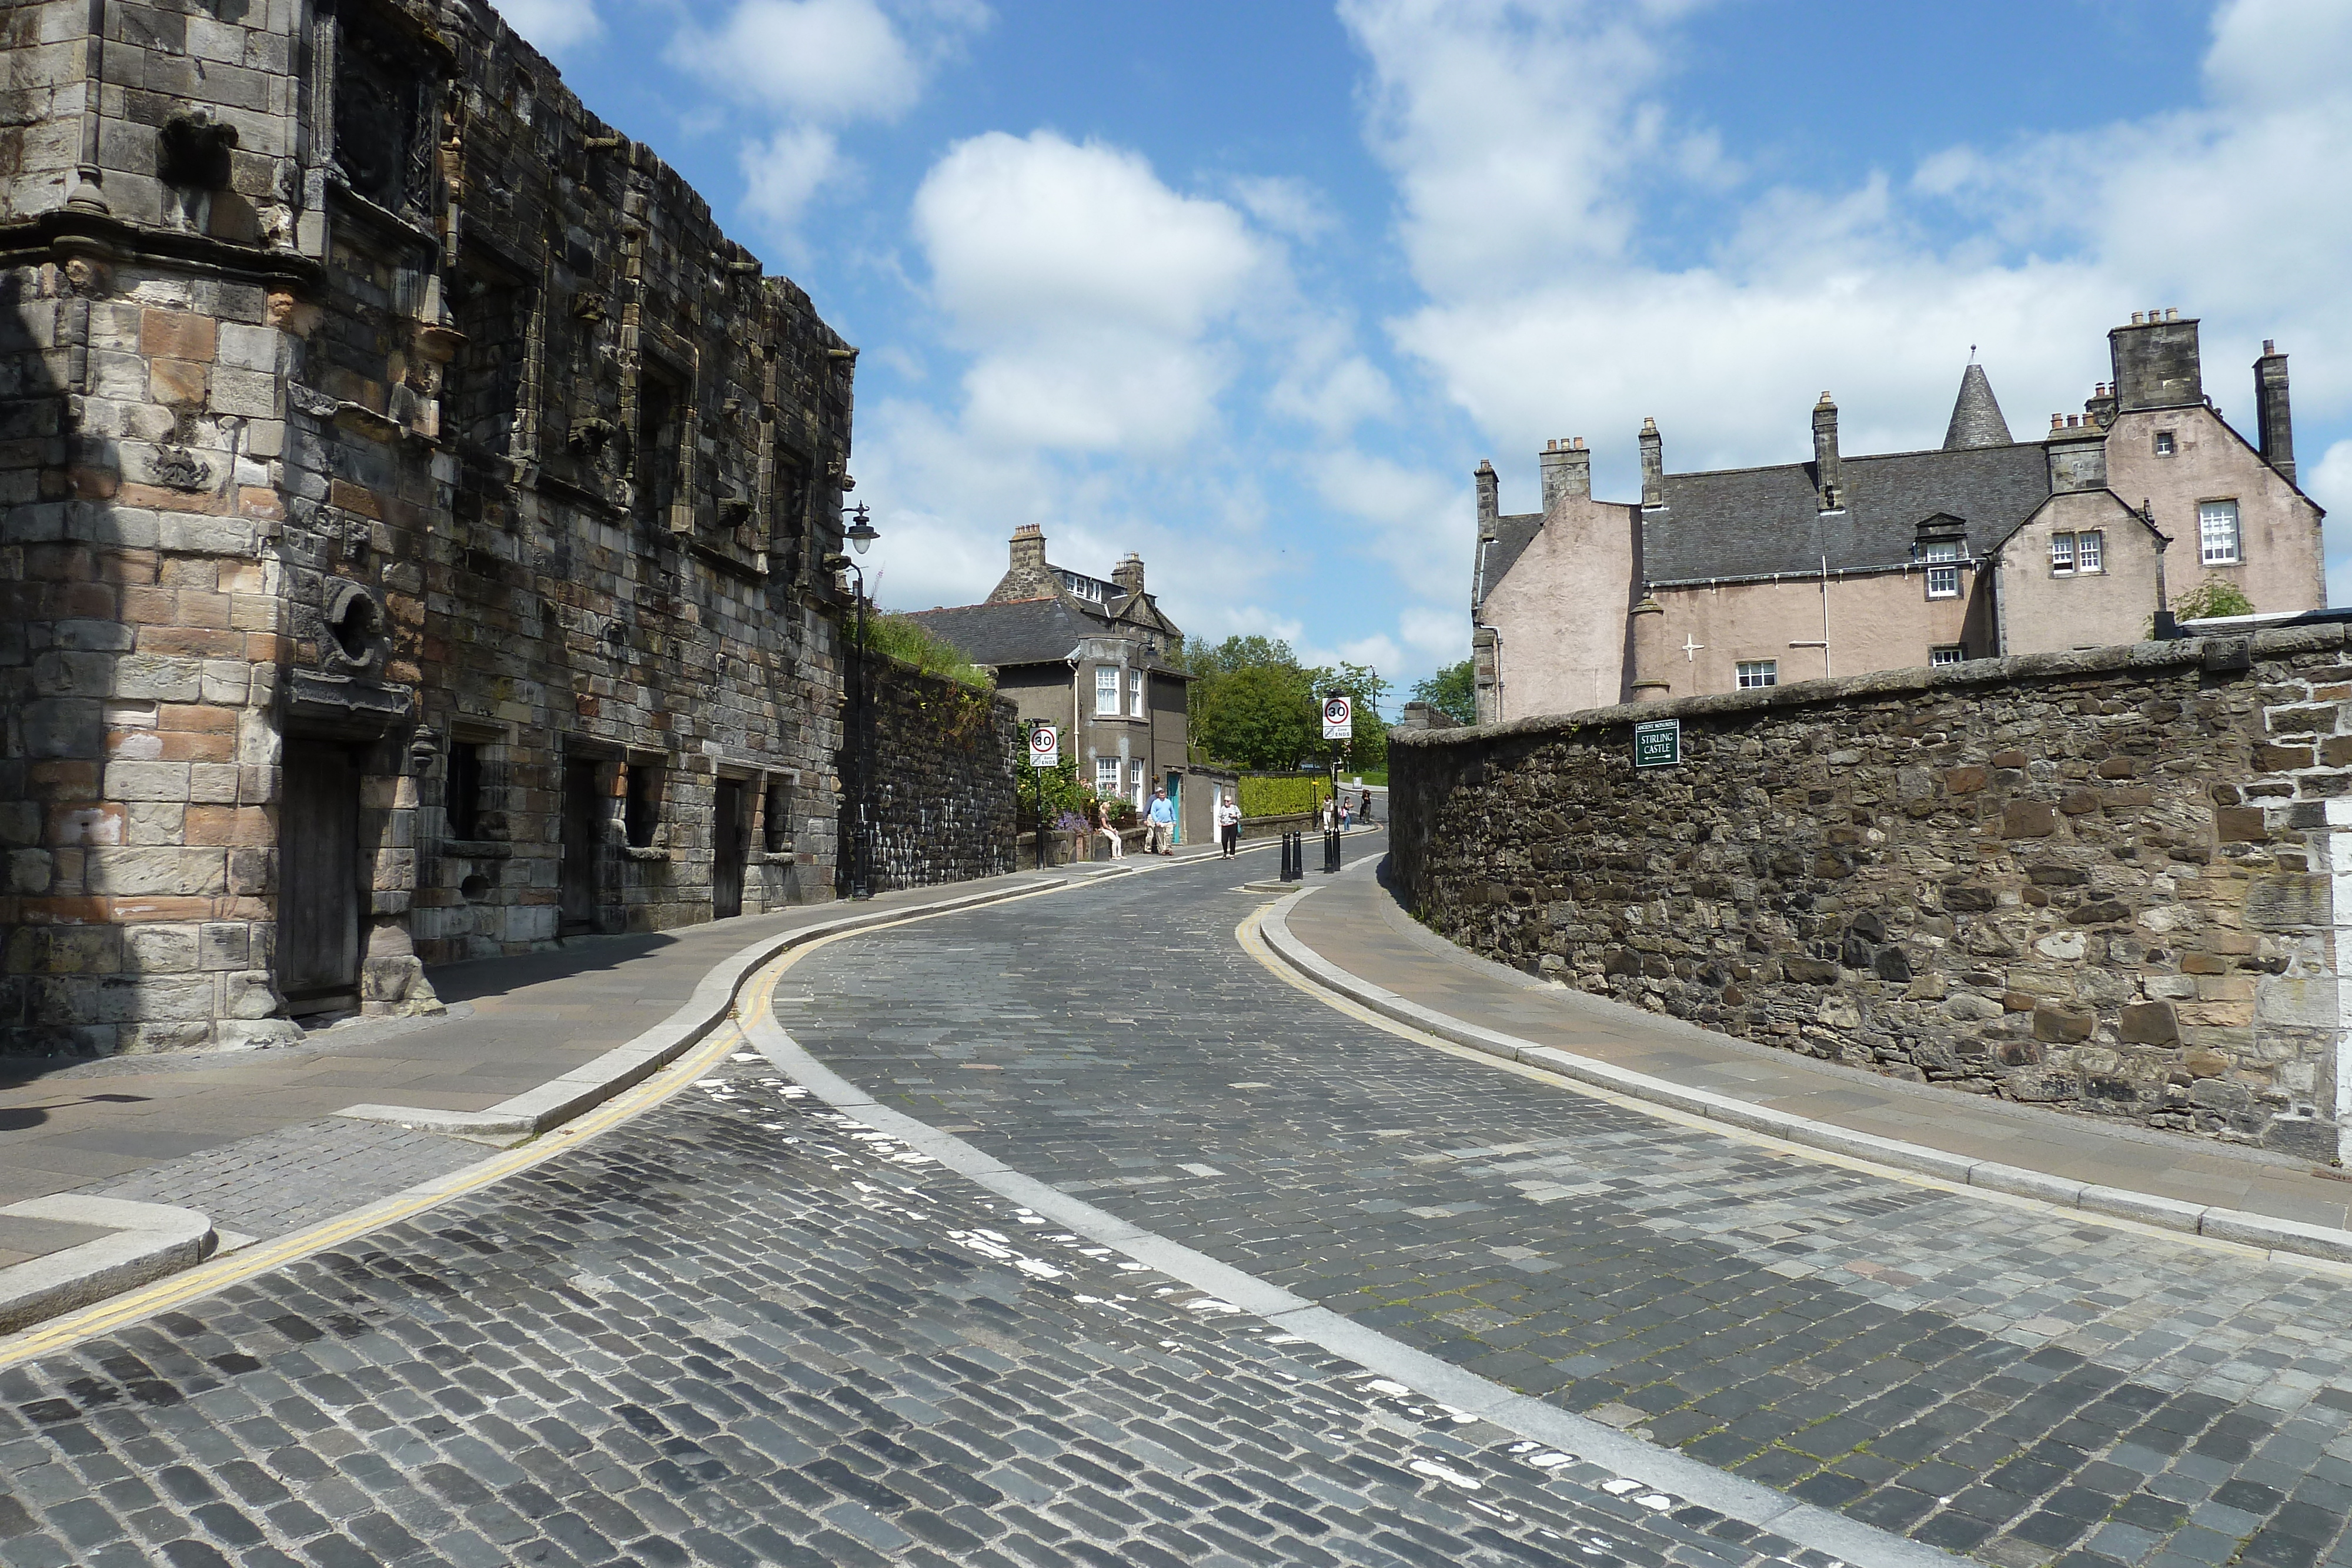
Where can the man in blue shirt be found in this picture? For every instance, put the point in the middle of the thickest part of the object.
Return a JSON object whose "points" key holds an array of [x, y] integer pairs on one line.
{"points": [[1162, 815]]}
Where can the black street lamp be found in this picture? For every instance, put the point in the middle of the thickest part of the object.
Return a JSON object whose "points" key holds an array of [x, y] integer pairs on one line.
{"points": [[860, 535]]}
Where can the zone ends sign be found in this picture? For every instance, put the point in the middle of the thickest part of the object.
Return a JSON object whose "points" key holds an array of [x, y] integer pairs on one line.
{"points": [[1045, 747], [1338, 718], [1658, 743]]}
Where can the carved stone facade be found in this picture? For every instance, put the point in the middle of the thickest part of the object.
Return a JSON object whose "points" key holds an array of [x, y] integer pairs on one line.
{"points": [[416, 510]]}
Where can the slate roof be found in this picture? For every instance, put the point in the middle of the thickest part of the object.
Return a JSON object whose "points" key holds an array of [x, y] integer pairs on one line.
{"points": [[1759, 522], [1020, 631], [1976, 414], [1513, 535]]}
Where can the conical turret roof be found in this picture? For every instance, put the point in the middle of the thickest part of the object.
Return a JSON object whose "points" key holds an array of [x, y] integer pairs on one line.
{"points": [[1976, 415]]}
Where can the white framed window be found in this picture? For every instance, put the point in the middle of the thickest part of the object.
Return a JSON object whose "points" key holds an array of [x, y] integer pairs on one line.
{"points": [[1107, 690], [1951, 653], [2164, 444], [1759, 673], [1106, 777], [2062, 554], [2091, 551], [1135, 694], [1943, 579], [2217, 533]]}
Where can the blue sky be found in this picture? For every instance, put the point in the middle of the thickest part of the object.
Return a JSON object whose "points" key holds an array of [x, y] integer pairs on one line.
{"points": [[1250, 288]]}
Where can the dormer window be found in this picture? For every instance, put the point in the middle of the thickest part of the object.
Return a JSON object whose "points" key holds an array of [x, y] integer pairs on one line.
{"points": [[1942, 557]]}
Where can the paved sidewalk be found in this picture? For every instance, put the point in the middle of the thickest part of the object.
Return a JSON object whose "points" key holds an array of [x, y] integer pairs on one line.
{"points": [[1356, 924], [251, 1138]]}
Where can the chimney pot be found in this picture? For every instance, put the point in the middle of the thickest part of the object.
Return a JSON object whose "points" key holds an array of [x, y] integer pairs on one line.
{"points": [[2170, 314], [2269, 347], [2057, 422], [2136, 318], [1579, 444]]}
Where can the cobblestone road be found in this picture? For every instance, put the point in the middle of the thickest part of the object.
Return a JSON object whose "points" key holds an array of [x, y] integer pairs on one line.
{"points": [[2005, 1381], [743, 1330]]}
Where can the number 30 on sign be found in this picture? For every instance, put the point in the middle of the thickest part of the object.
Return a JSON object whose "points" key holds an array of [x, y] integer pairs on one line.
{"points": [[1045, 747]]}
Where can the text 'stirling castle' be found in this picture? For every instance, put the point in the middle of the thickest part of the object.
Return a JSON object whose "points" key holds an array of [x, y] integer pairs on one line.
{"points": [[1754, 577], [415, 519]]}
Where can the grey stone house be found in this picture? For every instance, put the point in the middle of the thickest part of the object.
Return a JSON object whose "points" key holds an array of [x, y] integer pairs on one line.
{"points": [[1090, 654], [415, 512]]}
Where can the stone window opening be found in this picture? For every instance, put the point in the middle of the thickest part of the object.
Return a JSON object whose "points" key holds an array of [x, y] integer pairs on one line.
{"points": [[1106, 691], [788, 528], [2217, 542], [2164, 444], [1942, 557], [1106, 777], [641, 804], [1135, 694], [481, 396], [776, 819], [1950, 654], [661, 402], [461, 790], [1755, 673]]}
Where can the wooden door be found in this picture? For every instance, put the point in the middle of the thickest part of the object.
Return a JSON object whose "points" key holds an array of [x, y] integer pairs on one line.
{"points": [[581, 836], [727, 848], [318, 879]]}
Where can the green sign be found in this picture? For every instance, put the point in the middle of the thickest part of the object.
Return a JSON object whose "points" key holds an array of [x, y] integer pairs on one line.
{"points": [[1658, 743]]}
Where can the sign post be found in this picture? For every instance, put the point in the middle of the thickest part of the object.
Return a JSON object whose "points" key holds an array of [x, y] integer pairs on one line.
{"points": [[1658, 743], [1044, 752], [1339, 728]]}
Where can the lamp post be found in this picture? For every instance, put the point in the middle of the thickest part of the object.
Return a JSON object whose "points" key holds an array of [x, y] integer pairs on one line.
{"points": [[860, 535]]}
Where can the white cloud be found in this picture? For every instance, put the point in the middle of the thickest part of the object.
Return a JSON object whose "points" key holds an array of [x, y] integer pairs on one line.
{"points": [[1287, 205], [1526, 139], [2329, 482], [783, 173], [1439, 636], [809, 59], [554, 26], [1088, 288]]}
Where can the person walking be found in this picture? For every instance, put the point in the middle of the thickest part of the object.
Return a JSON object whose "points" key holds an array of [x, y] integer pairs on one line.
{"points": [[1368, 809], [1229, 824], [1101, 824], [1162, 840], [1344, 810]]}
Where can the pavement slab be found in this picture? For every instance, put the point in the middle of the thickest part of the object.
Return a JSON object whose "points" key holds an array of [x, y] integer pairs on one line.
{"points": [[1987, 1376]]}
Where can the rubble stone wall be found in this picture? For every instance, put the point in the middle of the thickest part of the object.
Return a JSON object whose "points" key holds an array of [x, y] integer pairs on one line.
{"points": [[361, 389], [946, 771], [2102, 881]]}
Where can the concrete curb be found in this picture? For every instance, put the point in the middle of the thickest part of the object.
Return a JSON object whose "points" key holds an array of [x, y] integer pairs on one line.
{"points": [[594, 1081], [150, 1241], [2285, 1238]]}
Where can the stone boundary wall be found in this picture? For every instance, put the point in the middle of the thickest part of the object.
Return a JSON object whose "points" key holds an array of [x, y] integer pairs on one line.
{"points": [[945, 777], [2102, 881]]}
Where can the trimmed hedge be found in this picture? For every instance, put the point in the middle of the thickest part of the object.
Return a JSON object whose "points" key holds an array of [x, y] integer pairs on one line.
{"points": [[1282, 794]]}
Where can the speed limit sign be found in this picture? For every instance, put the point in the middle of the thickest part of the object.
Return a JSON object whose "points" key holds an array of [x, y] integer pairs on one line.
{"points": [[1045, 747], [1338, 718]]}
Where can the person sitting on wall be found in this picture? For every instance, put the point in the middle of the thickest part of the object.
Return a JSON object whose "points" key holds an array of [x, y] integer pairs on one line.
{"points": [[1098, 818], [1162, 840]]}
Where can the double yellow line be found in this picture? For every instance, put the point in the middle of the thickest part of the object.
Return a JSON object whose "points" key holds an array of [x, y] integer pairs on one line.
{"points": [[757, 993]]}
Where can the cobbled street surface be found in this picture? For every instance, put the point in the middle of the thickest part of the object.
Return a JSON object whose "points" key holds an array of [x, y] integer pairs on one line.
{"points": [[744, 1330], [2010, 1383]]}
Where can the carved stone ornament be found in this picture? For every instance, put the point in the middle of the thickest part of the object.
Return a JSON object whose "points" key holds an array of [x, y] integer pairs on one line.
{"points": [[350, 641], [177, 468], [192, 151], [588, 305]]}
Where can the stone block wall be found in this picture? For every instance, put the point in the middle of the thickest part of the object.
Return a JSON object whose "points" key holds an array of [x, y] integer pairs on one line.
{"points": [[2106, 880], [365, 397], [947, 767]]}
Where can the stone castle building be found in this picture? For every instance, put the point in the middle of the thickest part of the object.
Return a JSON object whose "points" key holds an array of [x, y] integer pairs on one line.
{"points": [[1090, 654], [416, 522], [1849, 563]]}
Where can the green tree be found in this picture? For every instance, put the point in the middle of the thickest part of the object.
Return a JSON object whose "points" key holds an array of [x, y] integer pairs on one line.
{"points": [[1255, 706], [1453, 691], [2214, 596]]}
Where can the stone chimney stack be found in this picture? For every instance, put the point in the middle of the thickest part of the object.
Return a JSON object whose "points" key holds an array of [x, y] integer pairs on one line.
{"points": [[1654, 465], [1826, 476], [1028, 548], [2156, 361], [1567, 472], [1128, 573], [2275, 428], [1490, 499]]}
